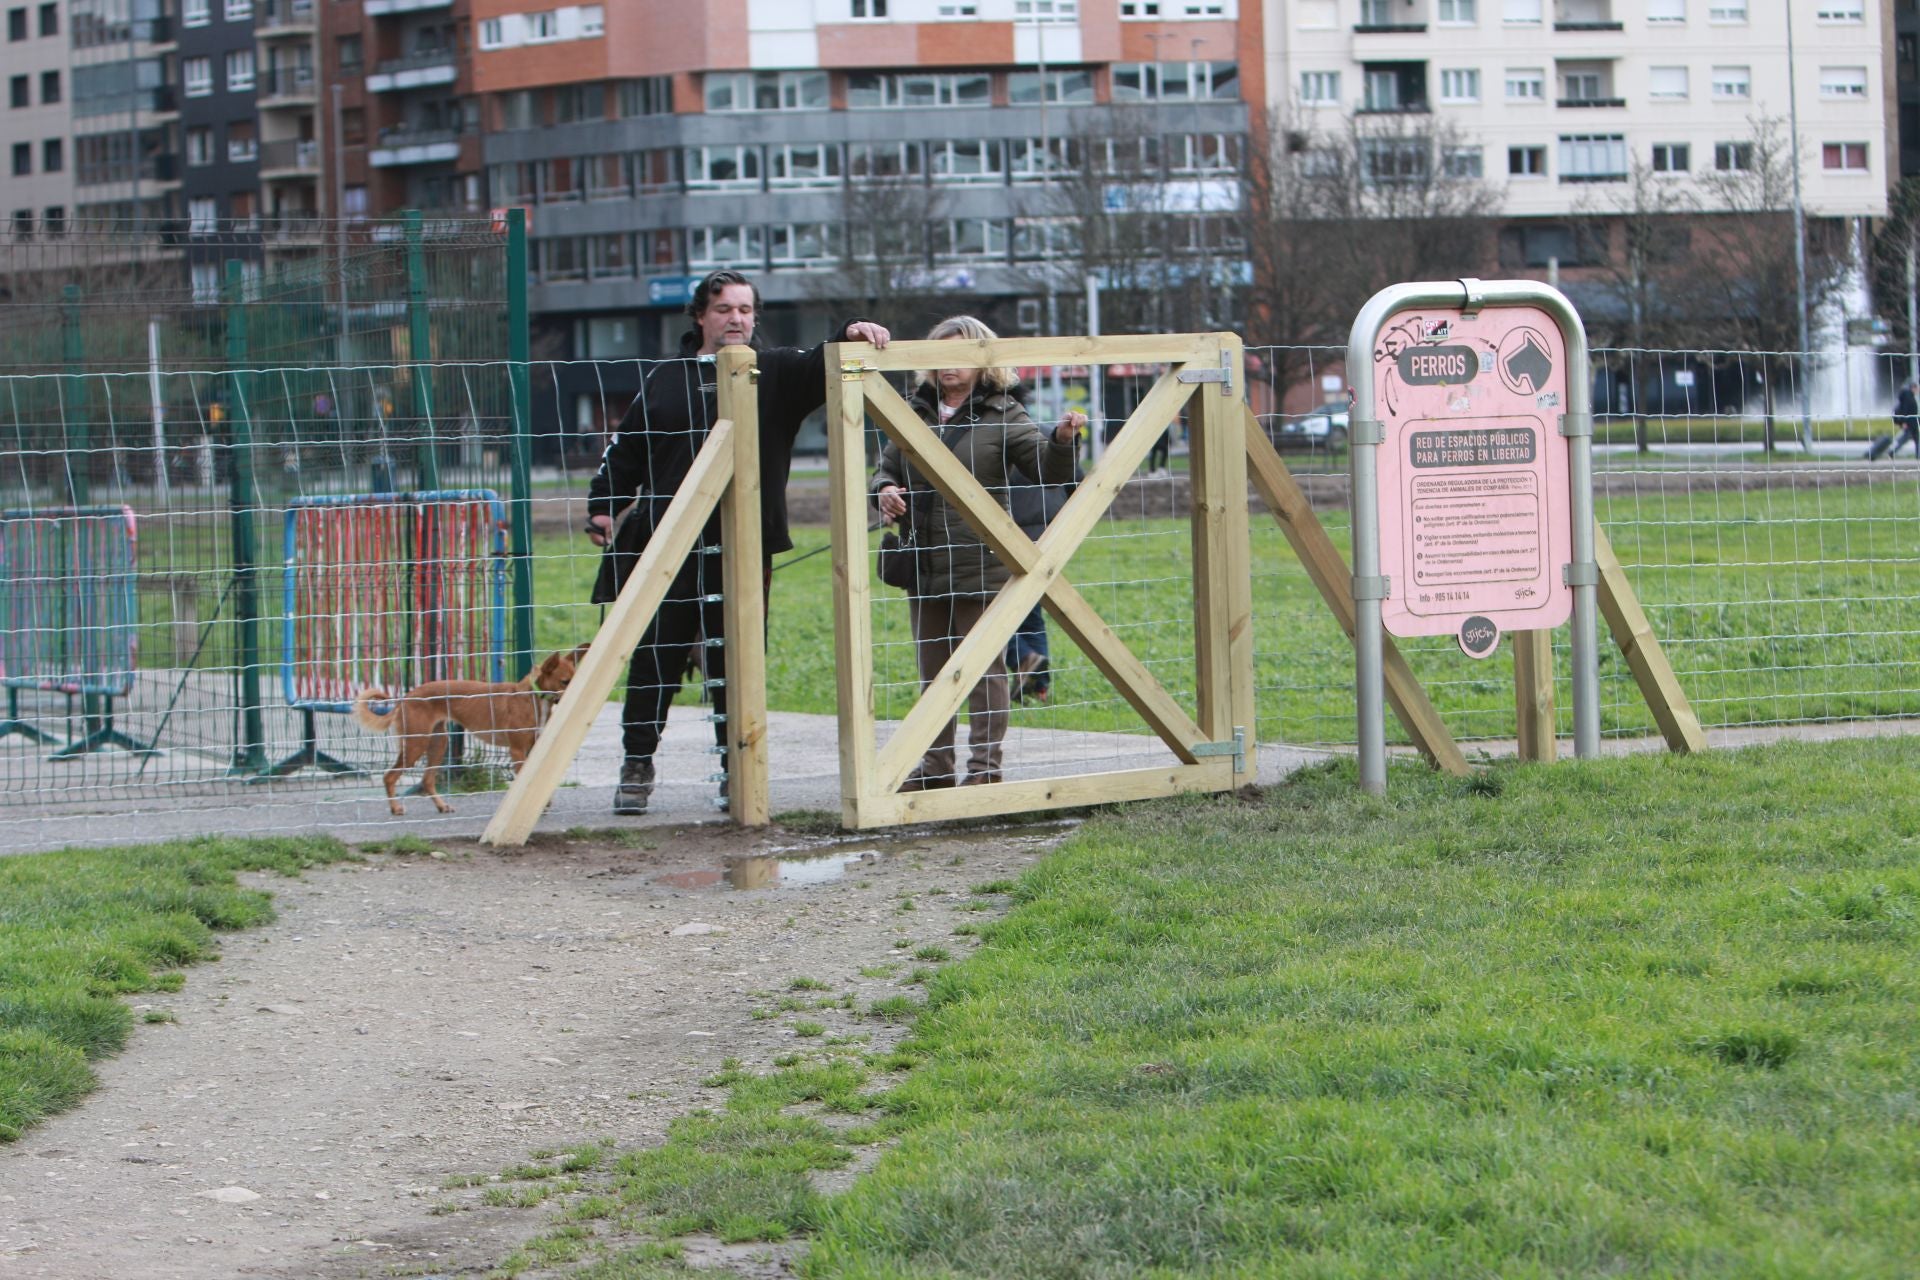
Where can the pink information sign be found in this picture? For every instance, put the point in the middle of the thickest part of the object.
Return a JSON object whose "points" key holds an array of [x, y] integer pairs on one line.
{"points": [[1475, 504]]}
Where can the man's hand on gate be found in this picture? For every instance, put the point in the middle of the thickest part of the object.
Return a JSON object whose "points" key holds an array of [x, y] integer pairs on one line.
{"points": [[868, 331], [597, 527]]}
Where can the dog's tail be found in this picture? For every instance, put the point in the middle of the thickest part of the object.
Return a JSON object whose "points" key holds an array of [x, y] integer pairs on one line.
{"points": [[378, 721]]}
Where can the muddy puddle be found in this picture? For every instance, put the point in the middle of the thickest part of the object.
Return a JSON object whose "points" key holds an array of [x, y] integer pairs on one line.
{"points": [[800, 866]]}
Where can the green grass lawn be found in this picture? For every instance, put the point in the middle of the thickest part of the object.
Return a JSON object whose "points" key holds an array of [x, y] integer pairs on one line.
{"points": [[1650, 1017], [83, 927]]}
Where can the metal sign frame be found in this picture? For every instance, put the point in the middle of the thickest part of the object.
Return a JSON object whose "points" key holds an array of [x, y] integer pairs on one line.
{"points": [[1369, 588]]}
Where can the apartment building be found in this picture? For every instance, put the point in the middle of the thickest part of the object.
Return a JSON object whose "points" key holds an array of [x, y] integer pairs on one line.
{"points": [[288, 123], [219, 162], [1556, 99], [38, 114], [126, 111], [654, 140]]}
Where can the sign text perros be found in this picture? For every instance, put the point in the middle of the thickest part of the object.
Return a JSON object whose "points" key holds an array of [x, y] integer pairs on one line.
{"points": [[1438, 366]]}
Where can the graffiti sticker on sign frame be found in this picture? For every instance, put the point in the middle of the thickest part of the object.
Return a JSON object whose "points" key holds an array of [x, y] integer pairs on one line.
{"points": [[1474, 498]]}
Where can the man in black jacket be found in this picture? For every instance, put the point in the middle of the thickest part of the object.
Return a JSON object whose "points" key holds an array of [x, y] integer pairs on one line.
{"points": [[641, 470], [1906, 421]]}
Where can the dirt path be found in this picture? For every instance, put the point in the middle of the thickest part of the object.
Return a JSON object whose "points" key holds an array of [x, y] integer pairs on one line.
{"points": [[412, 1018]]}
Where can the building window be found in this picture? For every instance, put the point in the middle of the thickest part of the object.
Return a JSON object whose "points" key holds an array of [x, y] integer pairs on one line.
{"points": [[1666, 12], [1139, 10], [1462, 162], [716, 168], [199, 147], [868, 91], [203, 215], [543, 27], [197, 74], [815, 164], [1458, 13], [1527, 162], [1667, 83], [885, 161], [1733, 157], [1460, 84], [1727, 11], [593, 21], [1320, 87], [17, 31], [49, 87], [1843, 82], [242, 146], [19, 91], [725, 246], [766, 91], [56, 220], [1045, 238], [239, 70], [1191, 154], [970, 238], [803, 243], [1671, 157], [239, 10], [1844, 157], [1393, 160], [1521, 13], [1526, 84], [1732, 82], [652, 96], [867, 8], [49, 19], [1841, 11], [492, 36], [956, 12], [1593, 157], [1032, 12], [195, 13], [967, 160], [1175, 81], [22, 157], [53, 155], [573, 103], [1073, 85]]}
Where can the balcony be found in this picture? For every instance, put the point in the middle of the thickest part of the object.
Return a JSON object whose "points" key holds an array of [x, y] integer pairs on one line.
{"points": [[399, 147], [1389, 28], [289, 158], [285, 18], [1391, 17], [286, 87], [1585, 15], [417, 71], [382, 8], [293, 230], [1395, 88]]}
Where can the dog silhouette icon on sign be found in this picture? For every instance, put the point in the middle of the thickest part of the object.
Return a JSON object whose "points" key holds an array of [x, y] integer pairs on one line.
{"points": [[1525, 362]]}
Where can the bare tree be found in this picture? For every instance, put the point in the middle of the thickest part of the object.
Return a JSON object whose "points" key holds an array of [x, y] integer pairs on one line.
{"points": [[1893, 249], [883, 267], [1335, 216], [1742, 268]]}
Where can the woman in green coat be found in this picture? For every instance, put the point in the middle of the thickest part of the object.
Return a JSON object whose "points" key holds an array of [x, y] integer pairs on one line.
{"points": [[979, 416]]}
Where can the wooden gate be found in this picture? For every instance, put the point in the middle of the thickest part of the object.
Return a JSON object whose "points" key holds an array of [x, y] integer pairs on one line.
{"points": [[1214, 742]]}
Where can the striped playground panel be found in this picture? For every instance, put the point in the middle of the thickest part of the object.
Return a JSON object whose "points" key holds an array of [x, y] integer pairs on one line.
{"points": [[390, 590], [69, 612]]}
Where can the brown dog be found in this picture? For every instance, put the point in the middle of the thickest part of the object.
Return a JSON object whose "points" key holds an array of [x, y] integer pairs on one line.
{"points": [[507, 715]]}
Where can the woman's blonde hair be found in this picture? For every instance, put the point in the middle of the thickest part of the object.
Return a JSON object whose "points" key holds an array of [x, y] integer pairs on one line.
{"points": [[973, 328]]}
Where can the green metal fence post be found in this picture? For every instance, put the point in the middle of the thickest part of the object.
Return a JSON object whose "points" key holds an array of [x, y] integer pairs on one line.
{"points": [[420, 350], [519, 350], [76, 420], [250, 750]]}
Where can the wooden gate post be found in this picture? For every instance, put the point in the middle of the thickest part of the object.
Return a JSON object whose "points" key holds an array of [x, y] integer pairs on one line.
{"points": [[745, 603]]}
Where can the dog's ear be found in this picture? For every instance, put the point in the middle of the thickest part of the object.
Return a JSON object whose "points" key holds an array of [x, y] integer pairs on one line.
{"points": [[580, 650], [547, 667]]}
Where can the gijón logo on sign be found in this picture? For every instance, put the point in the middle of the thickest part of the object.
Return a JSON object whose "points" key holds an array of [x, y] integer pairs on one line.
{"points": [[1438, 366]]}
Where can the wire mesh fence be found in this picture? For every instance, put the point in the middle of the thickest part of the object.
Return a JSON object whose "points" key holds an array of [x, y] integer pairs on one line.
{"points": [[1776, 562], [310, 510], [203, 434]]}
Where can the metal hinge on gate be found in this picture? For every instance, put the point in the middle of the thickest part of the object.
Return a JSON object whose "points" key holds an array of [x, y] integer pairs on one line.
{"points": [[1236, 748], [1380, 588], [1223, 375], [1581, 573], [1575, 425], [852, 370], [1367, 431]]}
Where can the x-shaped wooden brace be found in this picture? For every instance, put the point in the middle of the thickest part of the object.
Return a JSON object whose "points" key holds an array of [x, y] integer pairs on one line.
{"points": [[1038, 574]]}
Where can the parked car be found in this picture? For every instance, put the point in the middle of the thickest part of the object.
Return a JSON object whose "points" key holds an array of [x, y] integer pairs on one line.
{"points": [[1323, 429]]}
